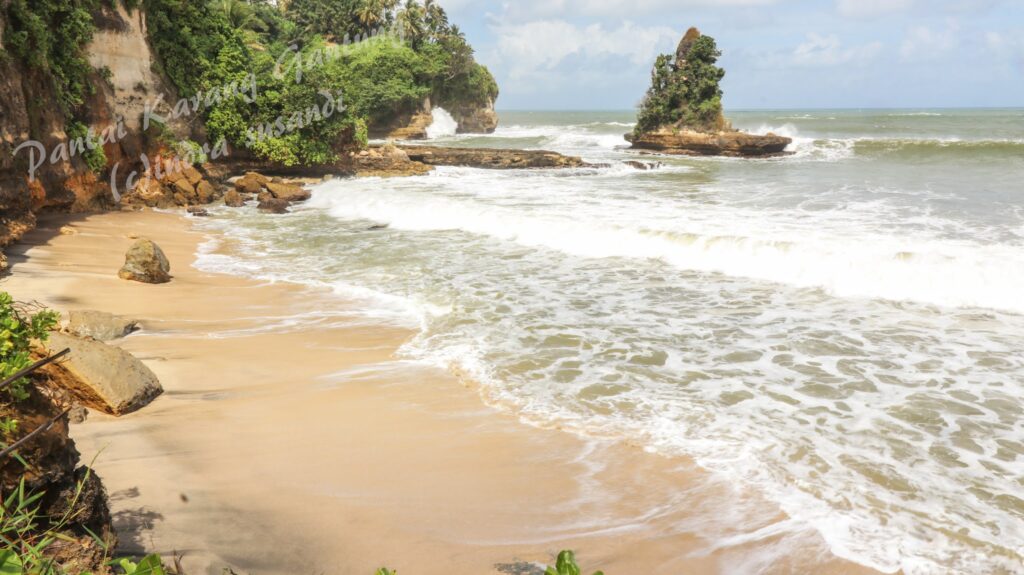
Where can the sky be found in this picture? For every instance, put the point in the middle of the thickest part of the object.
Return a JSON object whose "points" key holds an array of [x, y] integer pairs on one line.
{"points": [[597, 54]]}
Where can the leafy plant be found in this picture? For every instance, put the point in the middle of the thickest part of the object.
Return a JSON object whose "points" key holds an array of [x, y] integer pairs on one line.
{"points": [[17, 330], [566, 565], [386, 571], [149, 565], [685, 91]]}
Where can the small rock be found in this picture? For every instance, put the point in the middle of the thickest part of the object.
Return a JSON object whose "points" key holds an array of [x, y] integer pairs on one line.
{"points": [[145, 262], [78, 414], [288, 192], [233, 199], [99, 325], [205, 192], [198, 212], [68, 231], [251, 183], [273, 206], [101, 376]]}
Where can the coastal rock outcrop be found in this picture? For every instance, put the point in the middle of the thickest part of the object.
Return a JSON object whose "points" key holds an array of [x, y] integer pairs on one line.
{"points": [[99, 325], [145, 262], [173, 184], [493, 158], [386, 161], [100, 376], [273, 206], [682, 111], [737, 144]]}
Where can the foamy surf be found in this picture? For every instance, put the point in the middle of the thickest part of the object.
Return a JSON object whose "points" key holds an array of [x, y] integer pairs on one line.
{"points": [[838, 329]]}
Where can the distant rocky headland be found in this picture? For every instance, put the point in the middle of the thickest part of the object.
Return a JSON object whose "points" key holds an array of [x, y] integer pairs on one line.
{"points": [[682, 111]]}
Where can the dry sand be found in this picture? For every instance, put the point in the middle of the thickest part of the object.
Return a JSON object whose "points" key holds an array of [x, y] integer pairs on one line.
{"points": [[296, 448]]}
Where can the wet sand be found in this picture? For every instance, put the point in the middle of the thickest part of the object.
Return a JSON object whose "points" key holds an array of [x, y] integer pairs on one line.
{"points": [[283, 446]]}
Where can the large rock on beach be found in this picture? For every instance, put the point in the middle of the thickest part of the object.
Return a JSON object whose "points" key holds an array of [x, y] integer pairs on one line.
{"points": [[251, 183], [99, 325], [145, 262], [101, 376]]}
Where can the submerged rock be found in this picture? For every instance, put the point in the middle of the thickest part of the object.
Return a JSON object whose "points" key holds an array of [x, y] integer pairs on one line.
{"points": [[101, 376], [100, 325], [145, 262]]}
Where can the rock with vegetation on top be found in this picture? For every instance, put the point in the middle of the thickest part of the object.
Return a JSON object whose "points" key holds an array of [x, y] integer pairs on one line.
{"points": [[100, 325], [101, 376], [145, 262], [682, 111]]}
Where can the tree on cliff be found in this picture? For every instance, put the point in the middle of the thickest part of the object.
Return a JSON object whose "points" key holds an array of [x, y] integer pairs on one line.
{"points": [[685, 91]]}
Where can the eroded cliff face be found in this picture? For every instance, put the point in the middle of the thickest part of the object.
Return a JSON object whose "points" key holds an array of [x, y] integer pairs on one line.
{"points": [[472, 119], [121, 83]]}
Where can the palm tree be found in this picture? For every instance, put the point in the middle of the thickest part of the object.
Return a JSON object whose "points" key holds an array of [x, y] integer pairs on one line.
{"points": [[371, 12], [239, 14], [410, 18]]}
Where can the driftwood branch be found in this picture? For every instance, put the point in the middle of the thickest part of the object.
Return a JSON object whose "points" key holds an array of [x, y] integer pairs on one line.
{"points": [[33, 367], [34, 433]]}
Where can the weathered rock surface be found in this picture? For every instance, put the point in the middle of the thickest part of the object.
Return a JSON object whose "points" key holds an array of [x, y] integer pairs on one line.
{"points": [[251, 183], [102, 377], [145, 262], [474, 119], [172, 184], [233, 199], [288, 192], [273, 206], [493, 158], [689, 143], [99, 325], [386, 161]]}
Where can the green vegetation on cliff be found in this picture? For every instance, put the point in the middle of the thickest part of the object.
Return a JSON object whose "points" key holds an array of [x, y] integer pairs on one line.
{"points": [[304, 51], [685, 91]]}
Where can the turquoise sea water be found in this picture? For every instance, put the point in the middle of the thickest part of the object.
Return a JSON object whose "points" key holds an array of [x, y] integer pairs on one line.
{"points": [[840, 329]]}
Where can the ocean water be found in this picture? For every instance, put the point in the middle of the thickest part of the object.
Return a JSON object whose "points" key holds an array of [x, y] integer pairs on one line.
{"points": [[840, 329]]}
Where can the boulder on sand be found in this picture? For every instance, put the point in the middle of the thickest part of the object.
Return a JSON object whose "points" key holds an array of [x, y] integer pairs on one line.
{"points": [[99, 325], [145, 262], [101, 376]]}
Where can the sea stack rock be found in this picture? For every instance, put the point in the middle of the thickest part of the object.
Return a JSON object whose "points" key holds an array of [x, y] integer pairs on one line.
{"points": [[682, 111]]}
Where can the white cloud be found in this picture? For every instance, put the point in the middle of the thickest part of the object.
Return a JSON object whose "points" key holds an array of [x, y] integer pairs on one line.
{"points": [[530, 10], [924, 43], [544, 44], [828, 50], [872, 8]]}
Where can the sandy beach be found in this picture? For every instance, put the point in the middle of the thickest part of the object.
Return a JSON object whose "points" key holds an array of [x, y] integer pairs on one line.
{"points": [[283, 447]]}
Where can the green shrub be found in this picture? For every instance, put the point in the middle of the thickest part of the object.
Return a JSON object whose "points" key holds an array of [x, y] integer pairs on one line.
{"points": [[50, 35], [566, 565], [685, 94], [17, 330], [90, 145]]}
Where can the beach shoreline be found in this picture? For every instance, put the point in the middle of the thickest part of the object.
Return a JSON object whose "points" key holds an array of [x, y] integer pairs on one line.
{"points": [[283, 446]]}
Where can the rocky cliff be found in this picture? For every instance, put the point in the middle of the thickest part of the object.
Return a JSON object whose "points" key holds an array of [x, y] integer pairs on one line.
{"points": [[120, 84]]}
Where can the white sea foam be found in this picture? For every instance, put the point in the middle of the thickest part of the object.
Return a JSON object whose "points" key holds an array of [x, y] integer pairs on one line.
{"points": [[851, 350], [443, 124]]}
